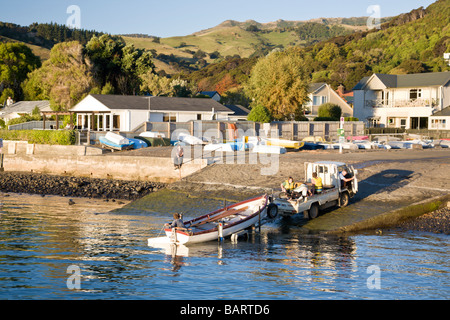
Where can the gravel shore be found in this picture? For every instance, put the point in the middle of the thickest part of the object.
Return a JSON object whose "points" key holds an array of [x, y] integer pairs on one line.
{"points": [[45, 184], [437, 222]]}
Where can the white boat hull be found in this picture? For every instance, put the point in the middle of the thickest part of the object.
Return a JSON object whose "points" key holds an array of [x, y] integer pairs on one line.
{"points": [[184, 238], [269, 149], [234, 218]]}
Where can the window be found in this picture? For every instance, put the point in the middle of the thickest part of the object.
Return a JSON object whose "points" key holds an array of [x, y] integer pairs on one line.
{"points": [[167, 117], [319, 100], [199, 116], [116, 121], [385, 97], [415, 94], [391, 122], [403, 123], [438, 124], [373, 122], [108, 119]]}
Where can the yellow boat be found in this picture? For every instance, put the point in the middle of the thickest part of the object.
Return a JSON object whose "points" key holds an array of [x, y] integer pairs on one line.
{"points": [[288, 144], [313, 139]]}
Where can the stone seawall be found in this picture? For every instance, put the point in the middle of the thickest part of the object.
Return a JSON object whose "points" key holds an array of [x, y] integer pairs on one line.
{"points": [[85, 161]]}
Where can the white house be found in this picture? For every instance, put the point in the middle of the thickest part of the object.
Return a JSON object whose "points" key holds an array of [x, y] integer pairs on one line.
{"points": [[125, 113], [440, 120], [401, 101], [320, 93], [17, 109]]}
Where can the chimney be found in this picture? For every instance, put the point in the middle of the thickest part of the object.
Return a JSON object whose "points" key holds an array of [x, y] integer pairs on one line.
{"points": [[340, 90]]}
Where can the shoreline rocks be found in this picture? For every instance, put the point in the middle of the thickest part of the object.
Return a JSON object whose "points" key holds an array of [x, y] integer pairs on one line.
{"points": [[45, 184], [436, 222]]}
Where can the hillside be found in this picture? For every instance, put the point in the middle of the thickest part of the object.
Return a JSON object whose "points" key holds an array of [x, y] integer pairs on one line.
{"points": [[244, 39], [41, 37], [41, 52], [413, 42]]}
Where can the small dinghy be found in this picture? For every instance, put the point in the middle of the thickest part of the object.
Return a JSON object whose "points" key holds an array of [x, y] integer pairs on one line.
{"points": [[218, 224], [269, 149], [189, 140], [116, 142]]}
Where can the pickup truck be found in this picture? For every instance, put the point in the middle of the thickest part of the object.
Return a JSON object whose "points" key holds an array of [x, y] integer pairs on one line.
{"points": [[333, 194]]}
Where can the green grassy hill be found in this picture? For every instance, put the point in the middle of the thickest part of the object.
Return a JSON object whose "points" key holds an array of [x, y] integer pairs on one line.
{"points": [[244, 39]]}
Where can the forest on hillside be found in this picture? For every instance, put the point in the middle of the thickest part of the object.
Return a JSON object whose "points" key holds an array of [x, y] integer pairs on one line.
{"points": [[45, 34]]}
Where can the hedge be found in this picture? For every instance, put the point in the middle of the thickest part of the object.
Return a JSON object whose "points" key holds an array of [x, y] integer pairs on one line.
{"points": [[60, 137]]}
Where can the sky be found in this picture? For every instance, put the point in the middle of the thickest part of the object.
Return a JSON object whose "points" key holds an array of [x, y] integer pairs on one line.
{"points": [[183, 17]]}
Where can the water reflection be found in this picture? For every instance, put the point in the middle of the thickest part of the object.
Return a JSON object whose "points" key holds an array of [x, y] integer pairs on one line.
{"points": [[289, 259], [40, 238]]}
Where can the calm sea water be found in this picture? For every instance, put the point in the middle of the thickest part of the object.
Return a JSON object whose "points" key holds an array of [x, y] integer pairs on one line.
{"points": [[50, 250]]}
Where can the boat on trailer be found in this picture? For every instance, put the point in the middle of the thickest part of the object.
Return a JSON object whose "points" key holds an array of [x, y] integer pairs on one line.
{"points": [[218, 224]]}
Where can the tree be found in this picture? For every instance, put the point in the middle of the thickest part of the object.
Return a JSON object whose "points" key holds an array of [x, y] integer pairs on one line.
{"points": [[252, 28], [235, 95], [259, 113], [6, 93], [16, 61], [118, 63], [279, 82], [156, 85], [330, 110], [215, 55], [107, 89], [225, 84], [199, 54], [409, 66], [64, 79], [181, 88]]}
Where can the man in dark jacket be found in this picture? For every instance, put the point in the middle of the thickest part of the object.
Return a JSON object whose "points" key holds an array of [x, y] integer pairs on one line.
{"points": [[177, 222]]}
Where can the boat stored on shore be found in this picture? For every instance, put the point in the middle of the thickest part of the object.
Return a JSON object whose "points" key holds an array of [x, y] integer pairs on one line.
{"points": [[115, 141], [221, 223]]}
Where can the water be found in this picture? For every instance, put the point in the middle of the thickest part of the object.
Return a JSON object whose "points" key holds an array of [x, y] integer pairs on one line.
{"points": [[40, 238]]}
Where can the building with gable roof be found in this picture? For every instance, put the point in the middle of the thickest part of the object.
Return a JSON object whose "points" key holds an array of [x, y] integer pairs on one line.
{"points": [[99, 112], [401, 101], [17, 109], [320, 93]]}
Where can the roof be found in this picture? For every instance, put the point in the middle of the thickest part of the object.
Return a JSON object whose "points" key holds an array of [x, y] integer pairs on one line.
{"points": [[26, 106], [157, 103], [423, 79], [210, 93], [313, 87], [337, 163], [431, 79], [238, 110], [443, 113], [186, 104], [361, 83]]}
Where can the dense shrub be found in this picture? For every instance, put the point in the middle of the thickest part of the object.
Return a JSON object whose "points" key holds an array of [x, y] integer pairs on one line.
{"points": [[325, 119], [259, 113], [59, 137], [330, 110]]}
